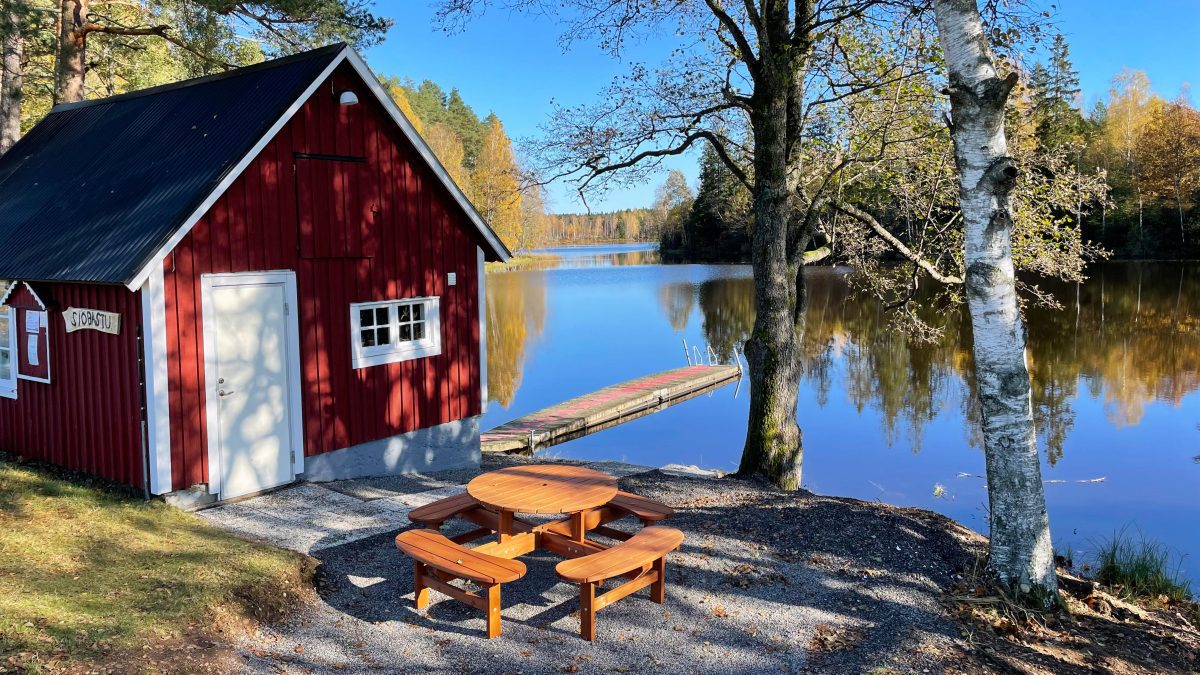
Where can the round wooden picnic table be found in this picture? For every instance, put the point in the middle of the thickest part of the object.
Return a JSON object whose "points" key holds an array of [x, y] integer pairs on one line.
{"points": [[543, 489]]}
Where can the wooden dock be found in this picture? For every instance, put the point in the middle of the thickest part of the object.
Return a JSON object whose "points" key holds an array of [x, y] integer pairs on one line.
{"points": [[606, 408]]}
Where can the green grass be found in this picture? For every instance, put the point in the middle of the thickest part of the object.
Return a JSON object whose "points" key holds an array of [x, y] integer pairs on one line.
{"points": [[1140, 568], [89, 571]]}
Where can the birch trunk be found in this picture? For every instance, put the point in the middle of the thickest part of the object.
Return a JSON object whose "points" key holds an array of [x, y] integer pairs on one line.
{"points": [[12, 80], [70, 64], [1020, 552]]}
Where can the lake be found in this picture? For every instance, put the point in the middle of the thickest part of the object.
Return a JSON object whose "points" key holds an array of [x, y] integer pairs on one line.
{"points": [[1115, 375]]}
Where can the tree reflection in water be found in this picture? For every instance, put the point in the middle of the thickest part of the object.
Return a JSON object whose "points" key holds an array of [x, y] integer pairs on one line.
{"points": [[1129, 333], [516, 306]]}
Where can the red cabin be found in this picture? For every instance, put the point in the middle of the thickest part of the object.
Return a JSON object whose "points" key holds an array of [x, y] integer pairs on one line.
{"points": [[231, 283]]}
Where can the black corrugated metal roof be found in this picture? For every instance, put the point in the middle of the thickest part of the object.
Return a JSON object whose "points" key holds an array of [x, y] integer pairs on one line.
{"points": [[97, 187]]}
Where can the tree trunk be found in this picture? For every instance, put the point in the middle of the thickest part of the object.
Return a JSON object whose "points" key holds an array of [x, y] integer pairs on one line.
{"points": [[70, 65], [12, 81], [1179, 205], [773, 440], [1021, 556]]}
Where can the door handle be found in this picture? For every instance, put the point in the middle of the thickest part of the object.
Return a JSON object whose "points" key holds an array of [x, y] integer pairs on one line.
{"points": [[223, 393]]}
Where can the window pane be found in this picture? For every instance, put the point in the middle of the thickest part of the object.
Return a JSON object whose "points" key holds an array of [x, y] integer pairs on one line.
{"points": [[364, 318], [418, 312], [418, 331], [5, 365], [384, 335], [4, 331], [368, 337], [405, 333], [404, 312], [381, 316]]}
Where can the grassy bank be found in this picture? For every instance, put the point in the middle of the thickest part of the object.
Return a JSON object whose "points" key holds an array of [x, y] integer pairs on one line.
{"points": [[524, 261], [1139, 568], [90, 574]]}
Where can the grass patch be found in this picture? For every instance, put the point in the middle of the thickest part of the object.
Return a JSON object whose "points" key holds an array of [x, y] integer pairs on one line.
{"points": [[89, 572], [1140, 568], [524, 261]]}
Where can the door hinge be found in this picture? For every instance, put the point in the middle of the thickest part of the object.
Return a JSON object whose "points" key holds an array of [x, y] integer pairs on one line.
{"points": [[287, 309]]}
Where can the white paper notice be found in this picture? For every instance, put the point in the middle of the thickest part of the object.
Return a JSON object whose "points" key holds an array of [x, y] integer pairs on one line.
{"points": [[32, 342], [33, 321]]}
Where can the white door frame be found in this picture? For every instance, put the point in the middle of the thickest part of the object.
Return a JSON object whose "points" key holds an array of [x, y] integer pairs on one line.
{"points": [[208, 282]]}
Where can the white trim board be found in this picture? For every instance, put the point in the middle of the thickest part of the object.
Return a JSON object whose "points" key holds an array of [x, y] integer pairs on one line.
{"points": [[295, 410], [483, 343], [364, 72], [13, 286], [158, 402], [14, 359]]}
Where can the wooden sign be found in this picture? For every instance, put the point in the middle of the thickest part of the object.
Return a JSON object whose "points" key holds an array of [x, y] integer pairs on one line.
{"points": [[92, 319]]}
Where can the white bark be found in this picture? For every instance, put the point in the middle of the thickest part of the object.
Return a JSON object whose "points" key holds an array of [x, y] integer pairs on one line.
{"points": [[1021, 556], [12, 80]]}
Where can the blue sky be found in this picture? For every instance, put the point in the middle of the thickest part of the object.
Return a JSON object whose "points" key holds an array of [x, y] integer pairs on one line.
{"points": [[513, 65]]}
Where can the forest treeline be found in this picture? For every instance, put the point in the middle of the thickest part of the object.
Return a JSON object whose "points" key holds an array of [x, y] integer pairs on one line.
{"points": [[622, 225], [1140, 148]]}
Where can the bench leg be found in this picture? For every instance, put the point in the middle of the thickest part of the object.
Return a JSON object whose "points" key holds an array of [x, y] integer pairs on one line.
{"points": [[493, 611], [658, 590], [420, 590], [587, 612], [504, 526]]}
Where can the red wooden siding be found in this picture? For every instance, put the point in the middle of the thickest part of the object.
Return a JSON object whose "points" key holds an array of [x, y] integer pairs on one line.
{"points": [[89, 417], [378, 229], [25, 302]]}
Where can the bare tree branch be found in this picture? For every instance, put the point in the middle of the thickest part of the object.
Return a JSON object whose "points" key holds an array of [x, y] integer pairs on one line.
{"points": [[896, 245]]}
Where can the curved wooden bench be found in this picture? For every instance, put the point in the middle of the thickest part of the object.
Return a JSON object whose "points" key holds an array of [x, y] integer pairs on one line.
{"points": [[430, 549], [433, 515], [464, 506], [646, 510], [645, 551]]}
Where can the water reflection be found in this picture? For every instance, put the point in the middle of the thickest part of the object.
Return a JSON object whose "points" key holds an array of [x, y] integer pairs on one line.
{"points": [[1126, 338], [516, 310], [620, 255], [1114, 377]]}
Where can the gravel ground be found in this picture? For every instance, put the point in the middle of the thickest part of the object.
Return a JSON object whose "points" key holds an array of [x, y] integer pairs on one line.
{"points": [[765, 582]]}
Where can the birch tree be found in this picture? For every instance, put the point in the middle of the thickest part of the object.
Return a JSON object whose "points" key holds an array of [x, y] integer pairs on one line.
{"points": [[1020, 552]]}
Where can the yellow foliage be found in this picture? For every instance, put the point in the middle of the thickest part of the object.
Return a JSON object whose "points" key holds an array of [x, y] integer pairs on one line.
{"points": [[495, 190], [397, 93], [448, 147]]}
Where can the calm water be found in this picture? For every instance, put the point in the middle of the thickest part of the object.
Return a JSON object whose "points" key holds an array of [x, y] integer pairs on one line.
{"points": [[1115, 379]]}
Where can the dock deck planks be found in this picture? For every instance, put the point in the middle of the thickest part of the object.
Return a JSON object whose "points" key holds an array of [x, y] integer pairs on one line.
{"points": [[605, 408]]}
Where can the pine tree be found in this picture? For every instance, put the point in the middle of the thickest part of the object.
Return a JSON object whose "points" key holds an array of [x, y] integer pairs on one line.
{"points": [[466, 123], [1055, 91], [719, 222]]}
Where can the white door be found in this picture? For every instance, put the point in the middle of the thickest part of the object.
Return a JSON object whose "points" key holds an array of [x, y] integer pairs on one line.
{"points": [[247, 327]]}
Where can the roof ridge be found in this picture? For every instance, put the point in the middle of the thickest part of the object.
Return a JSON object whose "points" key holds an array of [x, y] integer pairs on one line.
{"points": [[182, 84]]}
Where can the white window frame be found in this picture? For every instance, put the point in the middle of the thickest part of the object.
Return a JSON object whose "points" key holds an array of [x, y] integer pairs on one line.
{"points": [[395, 350], [8, 386]]}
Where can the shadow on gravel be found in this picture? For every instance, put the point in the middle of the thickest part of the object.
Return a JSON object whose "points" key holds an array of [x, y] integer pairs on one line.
{"points": [[765, 581]]}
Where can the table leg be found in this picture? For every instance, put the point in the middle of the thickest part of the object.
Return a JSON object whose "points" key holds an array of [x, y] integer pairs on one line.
{"points": [[505, 525], [577, 528]]}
